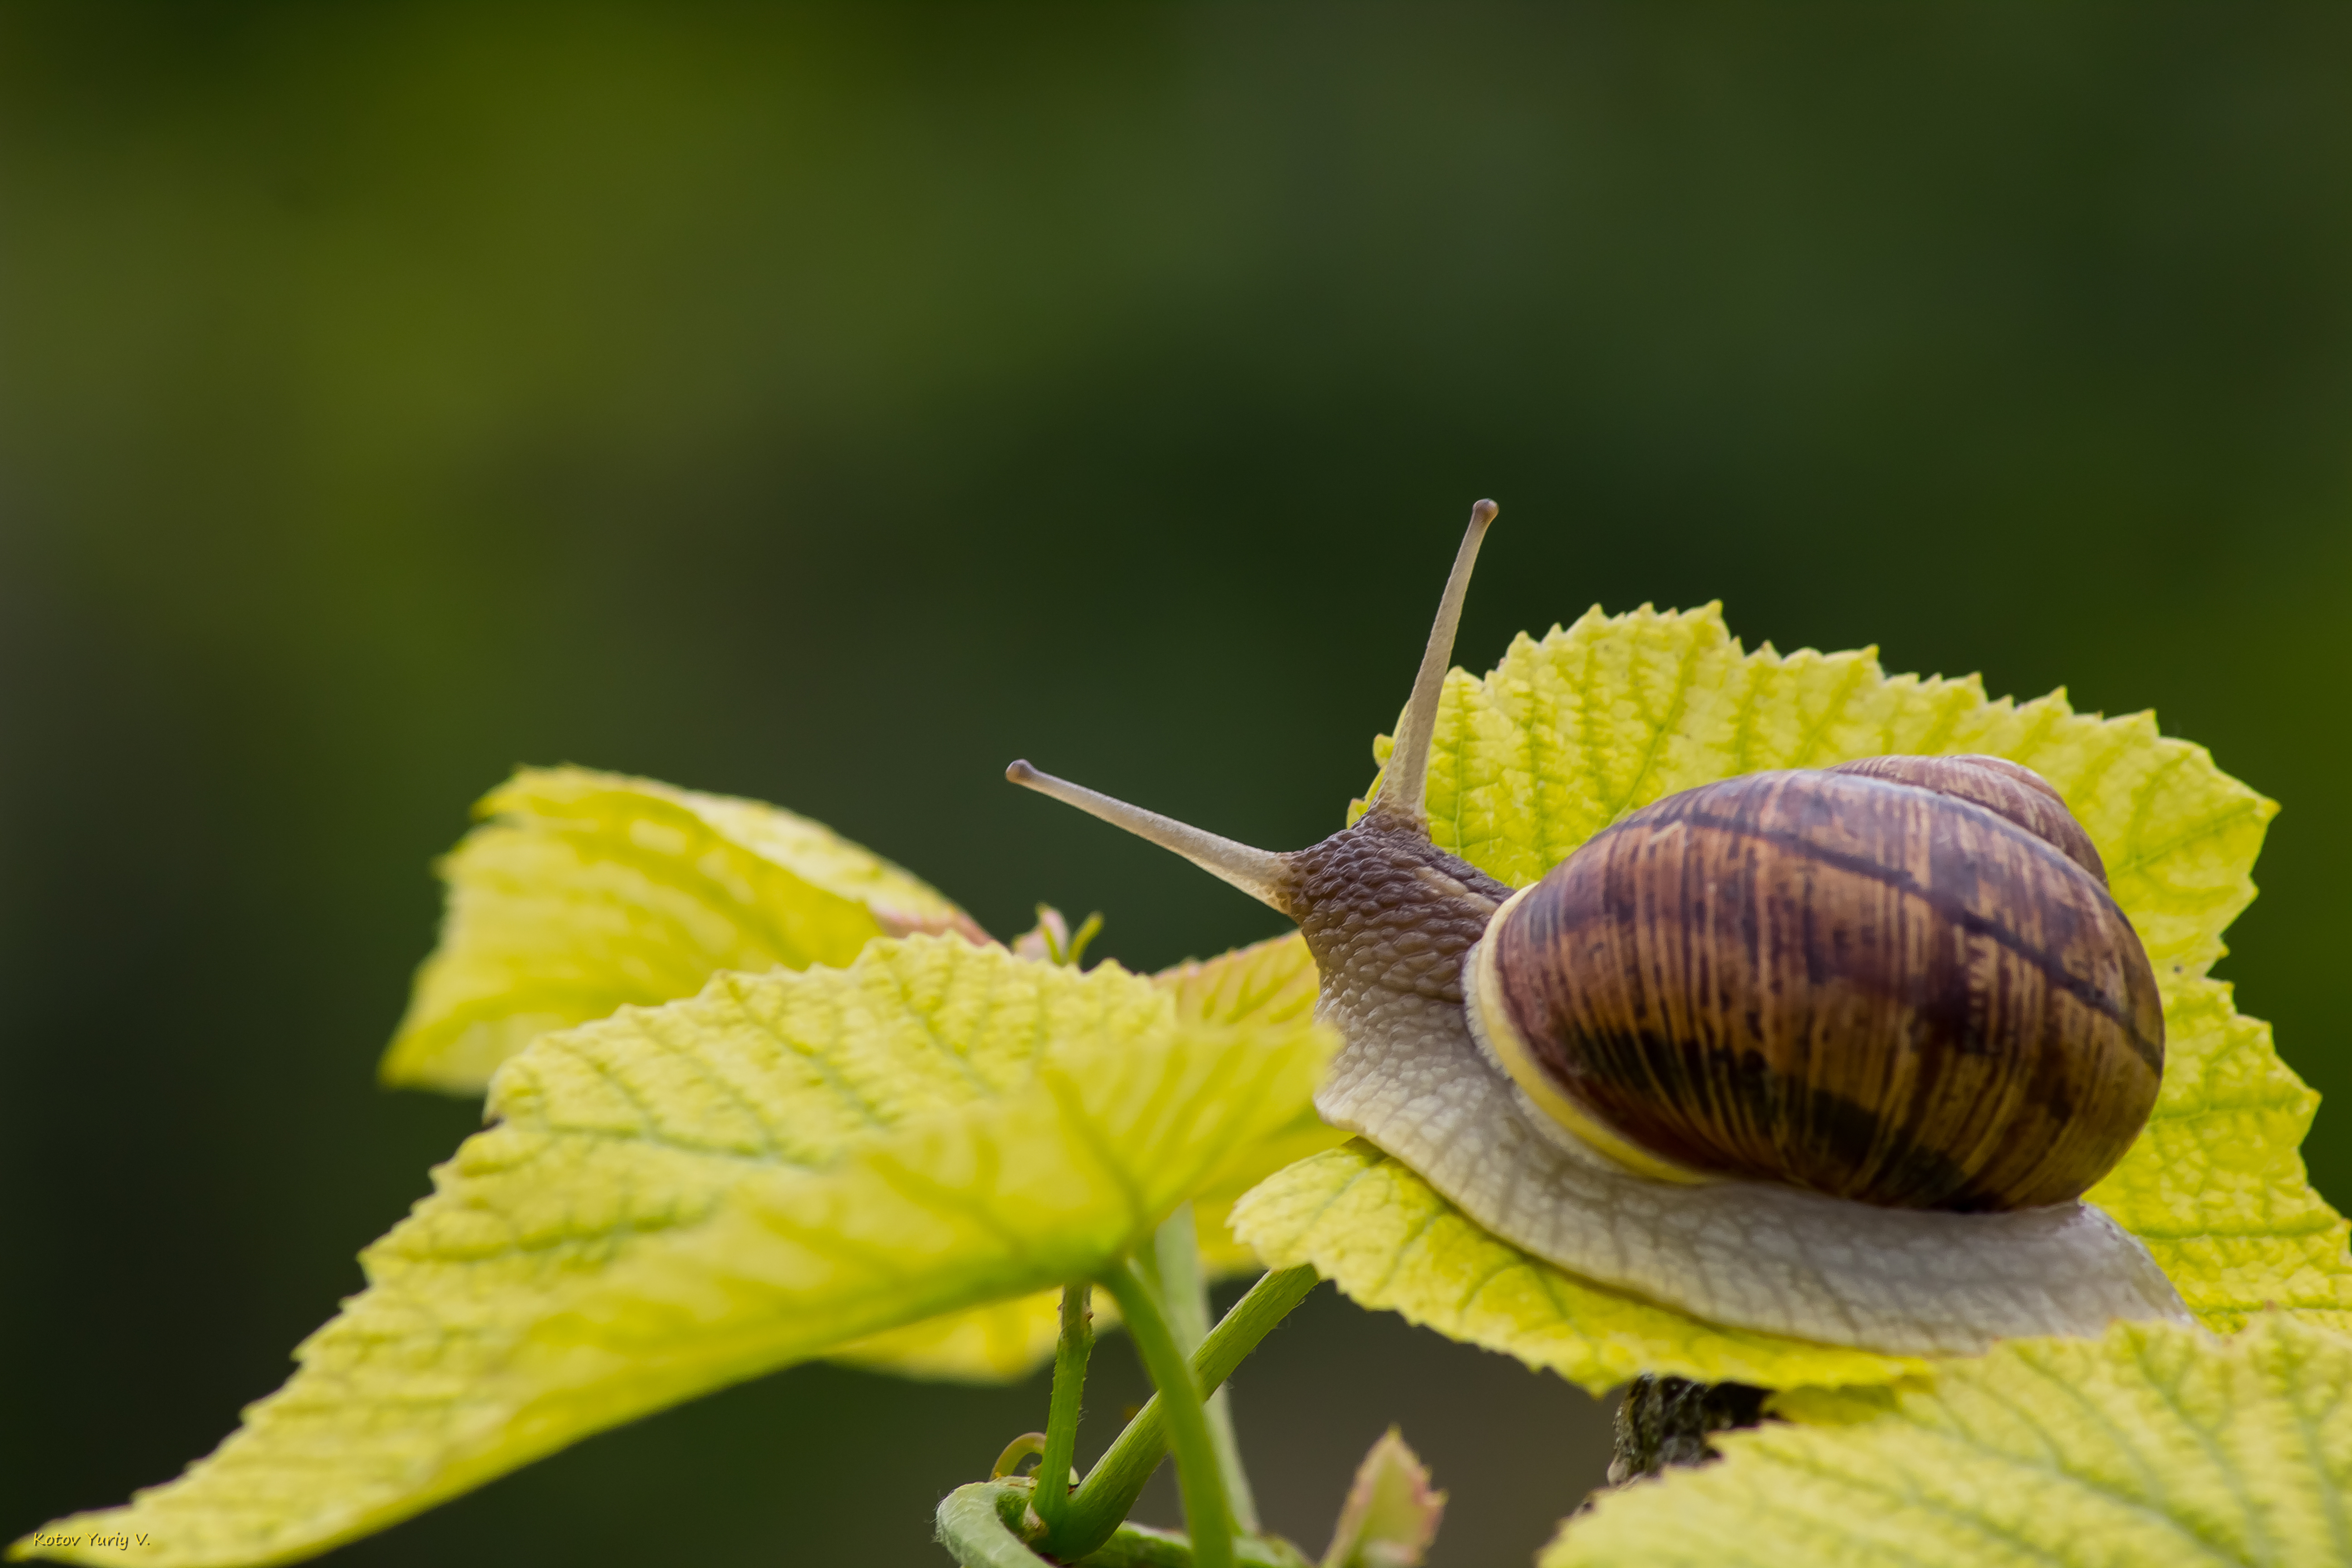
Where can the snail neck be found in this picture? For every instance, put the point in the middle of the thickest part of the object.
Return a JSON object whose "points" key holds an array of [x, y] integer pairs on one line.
{"points": [[1388, 916]]}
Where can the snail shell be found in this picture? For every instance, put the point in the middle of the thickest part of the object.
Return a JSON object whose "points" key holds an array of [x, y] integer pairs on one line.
{"points": [[1900, 981], [1755, 1052]]}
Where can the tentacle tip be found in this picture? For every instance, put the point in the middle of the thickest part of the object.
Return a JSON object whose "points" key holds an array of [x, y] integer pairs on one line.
{"points": [[1482, 513], [1021, 773]]}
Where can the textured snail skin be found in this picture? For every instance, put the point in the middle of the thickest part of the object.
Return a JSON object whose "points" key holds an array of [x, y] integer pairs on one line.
{"points": [[1876, 989], [1389, 919]]}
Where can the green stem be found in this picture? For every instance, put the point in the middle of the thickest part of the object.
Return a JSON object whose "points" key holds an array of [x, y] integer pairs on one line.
{"points": [[978, 1525], [1028, 1446], [1198, 1476], [1077, 1342], [1117, 1480], [971, 1525], [1140, 1546], [1176, 1248]]}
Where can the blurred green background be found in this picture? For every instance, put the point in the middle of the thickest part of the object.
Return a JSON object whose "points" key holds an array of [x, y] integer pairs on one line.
{"points": [[830, 407]]}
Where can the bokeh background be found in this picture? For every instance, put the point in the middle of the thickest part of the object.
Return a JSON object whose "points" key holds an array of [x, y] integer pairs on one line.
{"points": [[830, 407]]}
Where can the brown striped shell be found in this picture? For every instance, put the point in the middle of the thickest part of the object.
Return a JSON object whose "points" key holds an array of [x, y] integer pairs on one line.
{"points": [[1900, 981]]}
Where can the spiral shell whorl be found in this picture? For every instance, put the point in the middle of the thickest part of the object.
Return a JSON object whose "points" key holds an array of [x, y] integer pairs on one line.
{"points": [[2006, 789], [1845, 982]]}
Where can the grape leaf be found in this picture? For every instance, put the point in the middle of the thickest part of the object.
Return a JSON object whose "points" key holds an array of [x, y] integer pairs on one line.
{"points": [[2215, 1185], [2153, 1443], [677, 1198], [1001, 1342], [1269, 983], [583, 891], [1568, 733]]}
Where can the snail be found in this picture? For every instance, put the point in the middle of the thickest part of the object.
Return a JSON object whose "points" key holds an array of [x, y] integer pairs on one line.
{"points": [[1829, 1053]]}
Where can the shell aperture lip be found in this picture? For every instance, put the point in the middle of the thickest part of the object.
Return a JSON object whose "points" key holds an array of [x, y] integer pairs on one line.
{"points": [[1549, 1106], [1412, 1081]]}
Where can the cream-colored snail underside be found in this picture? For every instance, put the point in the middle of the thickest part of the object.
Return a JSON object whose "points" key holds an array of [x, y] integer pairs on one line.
{"points": [[1413, 1080]]}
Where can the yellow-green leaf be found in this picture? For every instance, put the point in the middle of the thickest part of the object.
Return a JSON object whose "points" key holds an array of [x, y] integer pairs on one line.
{"points": [[996, 1344], [1389, 1242], [583, 891], [1571, 733], [1269, 982], [1266, 983], [2153, 1445], [2215, 1185], [677, 1198], [1224, 1253]]}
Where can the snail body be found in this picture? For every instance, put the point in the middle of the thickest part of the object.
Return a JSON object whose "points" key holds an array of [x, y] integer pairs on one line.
{"points": [[1830, 1053]]}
